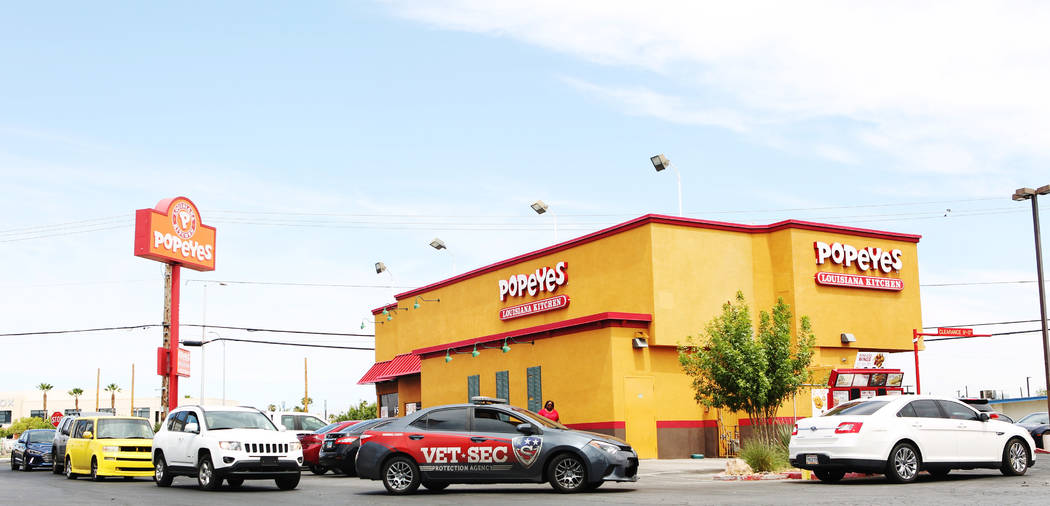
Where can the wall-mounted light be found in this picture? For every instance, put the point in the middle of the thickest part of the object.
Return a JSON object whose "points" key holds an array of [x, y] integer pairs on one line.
{"points": [[364, 320], [475, 353], [639, 342], [449, 352], [505, 348], [847, 338], [420, 298]]}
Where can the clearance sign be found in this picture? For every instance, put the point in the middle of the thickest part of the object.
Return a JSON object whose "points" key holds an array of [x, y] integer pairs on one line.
{"points": [[172, 232]]}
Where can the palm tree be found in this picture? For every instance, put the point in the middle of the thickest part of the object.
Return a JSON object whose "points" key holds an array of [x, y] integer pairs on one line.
{"points": [[75, 394], [306, 404], [45, 387], [112, 388]]}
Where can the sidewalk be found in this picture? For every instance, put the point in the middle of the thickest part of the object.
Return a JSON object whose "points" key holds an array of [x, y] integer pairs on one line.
{"points": [[651, 467]]}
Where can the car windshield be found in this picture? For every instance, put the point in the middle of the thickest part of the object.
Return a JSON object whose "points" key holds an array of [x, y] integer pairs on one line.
{"points": [[857, 408], [43, 436], [1035, 418], [222, 420], [542, 420], [328, 428], [124, 429]]}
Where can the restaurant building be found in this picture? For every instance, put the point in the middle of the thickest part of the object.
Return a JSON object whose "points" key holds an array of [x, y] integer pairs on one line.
{"points": [[593, 323]]}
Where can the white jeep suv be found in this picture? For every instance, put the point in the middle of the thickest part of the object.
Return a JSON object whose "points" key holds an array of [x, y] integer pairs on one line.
{"points": [[223, 442]]}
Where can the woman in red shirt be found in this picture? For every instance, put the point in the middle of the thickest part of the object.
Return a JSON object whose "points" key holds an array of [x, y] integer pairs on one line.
{"points": [[548, 411]]}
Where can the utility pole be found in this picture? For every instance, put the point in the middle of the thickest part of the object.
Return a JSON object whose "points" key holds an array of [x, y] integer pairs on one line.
{"points": [[306, 388], [1028, 385], [133, 389], [98, 377]]}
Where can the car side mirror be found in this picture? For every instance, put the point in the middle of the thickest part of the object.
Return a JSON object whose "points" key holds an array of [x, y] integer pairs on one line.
{"points": [[526, 429], [983, 416], [193, 427], [88, 435]]}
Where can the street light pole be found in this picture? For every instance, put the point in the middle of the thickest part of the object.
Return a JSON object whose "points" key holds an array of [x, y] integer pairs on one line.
{"points": [[1033, 195]]}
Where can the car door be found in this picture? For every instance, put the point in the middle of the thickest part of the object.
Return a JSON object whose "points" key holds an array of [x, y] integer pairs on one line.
{"points": [[78, 446], [441, 448], [494, 437], [176, 424], [187, 437], [18, 453], [934, 432], [975, 441]]}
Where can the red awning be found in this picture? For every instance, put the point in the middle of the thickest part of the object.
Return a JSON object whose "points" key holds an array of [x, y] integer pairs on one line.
{"points": [[378, 369], [401, 365]]}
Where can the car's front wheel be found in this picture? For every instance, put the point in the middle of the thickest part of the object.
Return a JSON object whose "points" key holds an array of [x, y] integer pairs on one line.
{"points": [[161, 476], [1015, 458], [567, 474], [68, 469], [94, 470], [56, 468], [25, 464], [903, 464], [830, 476], [401, 476], [287, 482], [206, 478]]}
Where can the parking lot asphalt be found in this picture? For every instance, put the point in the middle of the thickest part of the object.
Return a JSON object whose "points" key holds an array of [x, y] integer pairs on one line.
{"points": [[659, 484]]}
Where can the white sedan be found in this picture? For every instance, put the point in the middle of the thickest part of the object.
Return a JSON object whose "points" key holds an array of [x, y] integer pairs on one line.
{"points": [[901, 435]]}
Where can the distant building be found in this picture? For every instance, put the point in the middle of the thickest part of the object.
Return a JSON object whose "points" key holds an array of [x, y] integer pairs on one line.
{"points": [[1020, 406], [15, 405]]}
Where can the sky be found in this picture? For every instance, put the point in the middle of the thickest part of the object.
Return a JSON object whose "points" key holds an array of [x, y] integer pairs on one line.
{"points": [[322, 137]]}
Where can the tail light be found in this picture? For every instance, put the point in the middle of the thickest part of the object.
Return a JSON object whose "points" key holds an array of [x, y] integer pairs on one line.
{"points": [[993, 415], [346, 440], [794, 432], [848, 428]]}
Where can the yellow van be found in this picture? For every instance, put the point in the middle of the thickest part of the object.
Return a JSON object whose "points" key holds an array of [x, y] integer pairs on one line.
{"points": [[101, 446]]}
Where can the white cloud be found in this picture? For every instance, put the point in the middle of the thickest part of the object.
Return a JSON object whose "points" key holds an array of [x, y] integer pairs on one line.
{"points": [[954, 87]]}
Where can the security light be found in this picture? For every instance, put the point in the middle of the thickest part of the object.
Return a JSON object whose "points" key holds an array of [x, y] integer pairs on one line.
{"points": [[380, 267], [1043, 190], [438, 244], [539, 207], [847, 338], [660, 162]]}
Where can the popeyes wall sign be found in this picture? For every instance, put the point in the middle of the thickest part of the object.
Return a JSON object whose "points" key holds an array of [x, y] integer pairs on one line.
{"points": [[864, 259], [172, 232]]}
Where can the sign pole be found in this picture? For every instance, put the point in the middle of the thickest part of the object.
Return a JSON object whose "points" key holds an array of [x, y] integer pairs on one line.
{"points": [[915, 345], [171, 307]]}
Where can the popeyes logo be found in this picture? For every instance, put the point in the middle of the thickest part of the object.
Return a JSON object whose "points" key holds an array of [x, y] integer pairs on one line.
{"points": [[543, 280], [864, 258], [172, 232]]}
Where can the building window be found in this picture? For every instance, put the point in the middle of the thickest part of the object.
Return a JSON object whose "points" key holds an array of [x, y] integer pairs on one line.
{"points": [[72, 412], [142, 413], [5, 416], [503, 385], [38, 413], [535, 387], [389, 402], [473, 386], [107, 410]]}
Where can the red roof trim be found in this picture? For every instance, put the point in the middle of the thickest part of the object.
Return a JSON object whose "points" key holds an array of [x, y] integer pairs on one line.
{"points": [[373, 373], [666, 220], [618, 319], [401, 365]]}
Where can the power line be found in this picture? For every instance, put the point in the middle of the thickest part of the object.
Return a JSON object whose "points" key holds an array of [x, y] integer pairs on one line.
{"points": [[975, 283], [971, 337], [276, 331], [304, 345], [980, 324], [279, 283], [151, 325]]}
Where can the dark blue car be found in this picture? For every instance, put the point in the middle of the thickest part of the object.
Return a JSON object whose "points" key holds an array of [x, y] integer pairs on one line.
{"points": [[33, 449]]}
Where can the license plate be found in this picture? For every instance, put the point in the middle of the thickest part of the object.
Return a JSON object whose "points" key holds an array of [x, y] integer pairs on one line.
{"points": [[812, 460], [268, 461]]}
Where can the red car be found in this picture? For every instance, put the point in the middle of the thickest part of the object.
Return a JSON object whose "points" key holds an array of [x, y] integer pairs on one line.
{"points": [[312, 445]]}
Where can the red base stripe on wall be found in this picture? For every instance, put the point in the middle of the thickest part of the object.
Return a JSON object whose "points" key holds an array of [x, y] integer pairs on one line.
{"points": [[597, 425], [685, 424], [782, 420]]}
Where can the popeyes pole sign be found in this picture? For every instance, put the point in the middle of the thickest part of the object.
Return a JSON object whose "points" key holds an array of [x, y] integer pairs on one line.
{"points": [[544, 280], [864, 259], [172, 232]]}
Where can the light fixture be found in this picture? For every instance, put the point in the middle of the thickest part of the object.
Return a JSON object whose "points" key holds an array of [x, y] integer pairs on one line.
{"points": [[847, 338], [505, 348], [660, 162], [380, 267], [438, 244], [448, 356], [420, 298], [639, 342], [539, 207], [475, 353]]}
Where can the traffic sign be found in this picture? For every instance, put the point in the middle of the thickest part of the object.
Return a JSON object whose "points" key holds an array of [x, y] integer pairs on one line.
{"points": [[55, 418], [954, 332]]}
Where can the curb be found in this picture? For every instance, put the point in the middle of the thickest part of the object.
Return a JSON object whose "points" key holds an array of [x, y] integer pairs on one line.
{"points": [[1040, 450], [790, 475]]}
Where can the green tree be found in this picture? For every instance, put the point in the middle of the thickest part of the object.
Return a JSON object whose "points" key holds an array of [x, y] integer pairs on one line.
{"points": [[45, 387], [75, 394], [23, 424], [271, 407], [363, 411], [112, 388], [734, 368]]}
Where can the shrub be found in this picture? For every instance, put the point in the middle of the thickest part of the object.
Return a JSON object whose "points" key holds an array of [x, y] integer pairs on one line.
{"points": [[763, 456], [23, 424]]}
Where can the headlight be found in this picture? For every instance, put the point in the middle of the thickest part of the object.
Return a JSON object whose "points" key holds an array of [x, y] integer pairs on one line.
{"points": [[295, 446], [233, 446], [605, 447], [110, 449]]}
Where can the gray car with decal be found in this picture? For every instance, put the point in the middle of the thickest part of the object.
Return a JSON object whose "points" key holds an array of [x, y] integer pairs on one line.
{"points": [[490, 443]]}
